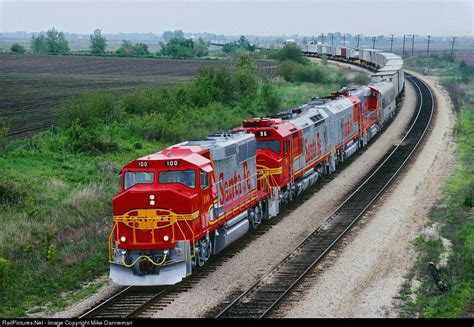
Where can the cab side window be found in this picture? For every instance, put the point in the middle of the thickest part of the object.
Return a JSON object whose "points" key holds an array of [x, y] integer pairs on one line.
{"points": [[204, 180]]}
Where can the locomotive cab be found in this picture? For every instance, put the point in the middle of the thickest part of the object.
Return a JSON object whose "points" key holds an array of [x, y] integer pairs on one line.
{"points": [[278, 144], [165, 199]]}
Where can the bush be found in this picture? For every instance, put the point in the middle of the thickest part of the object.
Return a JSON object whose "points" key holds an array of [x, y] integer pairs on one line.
{"points": [[290, 52], [360, 79], [179, 48], [16, 48], [89, 110], [311, 74], [324, 59], [287, 69], [4, 264], [4, 129], [141, 102], [129, 50], [88, 140], [12, 191], [270, 97], [293, 72], [245, 81], [157, 127]]}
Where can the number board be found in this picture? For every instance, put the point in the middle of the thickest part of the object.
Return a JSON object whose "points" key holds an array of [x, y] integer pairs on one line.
{"points": [[142, 163], [263, 133], [172, 163]]}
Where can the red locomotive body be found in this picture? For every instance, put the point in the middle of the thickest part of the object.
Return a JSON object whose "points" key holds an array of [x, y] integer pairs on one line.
{"points": [[181, 205]]}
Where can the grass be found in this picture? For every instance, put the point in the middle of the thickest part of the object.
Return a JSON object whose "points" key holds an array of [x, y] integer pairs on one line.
{"points": [[56, 188], [454, 216]]}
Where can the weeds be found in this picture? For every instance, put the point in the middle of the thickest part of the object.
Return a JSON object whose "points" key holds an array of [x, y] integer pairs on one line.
{"points": [[455, 216], [56, 193]]}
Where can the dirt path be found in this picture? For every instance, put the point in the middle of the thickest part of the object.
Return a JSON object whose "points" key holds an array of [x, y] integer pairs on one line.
{"points": [[364, 275]]}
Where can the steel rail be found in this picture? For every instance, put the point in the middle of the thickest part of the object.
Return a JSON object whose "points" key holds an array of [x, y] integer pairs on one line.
{"points": [[238, 306]]}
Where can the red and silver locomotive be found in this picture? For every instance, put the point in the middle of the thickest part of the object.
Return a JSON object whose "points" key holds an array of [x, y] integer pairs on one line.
{"points": [[180, 206]]}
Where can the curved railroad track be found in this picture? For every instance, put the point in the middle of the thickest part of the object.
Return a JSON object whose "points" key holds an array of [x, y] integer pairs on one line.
{"points": [[265, 295]]}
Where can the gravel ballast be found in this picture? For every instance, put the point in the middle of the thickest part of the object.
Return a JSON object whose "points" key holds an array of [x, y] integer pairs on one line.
{"points": [[364, 276]]}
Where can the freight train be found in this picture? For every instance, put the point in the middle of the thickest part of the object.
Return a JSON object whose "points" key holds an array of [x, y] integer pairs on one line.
{"points": [[184, 204]]}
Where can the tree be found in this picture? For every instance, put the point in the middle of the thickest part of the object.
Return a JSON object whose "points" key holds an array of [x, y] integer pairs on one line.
{"points": [[141, 49], [290, 52], [230, 47], [201, 48], [179, 48], [38, 44], [245, 80], [129, 50], [243, 42], [126, 50], [56, 43], [169, 35], [98, 43], [16, 48]]}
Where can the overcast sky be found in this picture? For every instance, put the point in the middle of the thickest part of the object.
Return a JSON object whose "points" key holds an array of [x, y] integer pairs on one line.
{"points": [[261, 17]]}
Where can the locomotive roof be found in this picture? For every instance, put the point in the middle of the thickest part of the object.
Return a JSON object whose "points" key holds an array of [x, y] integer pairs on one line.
{"points": [[191, 154], [334, 105], [281, 126], [222, 139]]}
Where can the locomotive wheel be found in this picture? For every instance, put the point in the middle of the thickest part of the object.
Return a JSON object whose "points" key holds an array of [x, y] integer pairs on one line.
{"points": [[203, 252], [255, 218]]}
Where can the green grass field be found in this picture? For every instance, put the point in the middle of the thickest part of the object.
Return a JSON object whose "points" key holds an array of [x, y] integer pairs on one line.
{"points": [[56, 188]]}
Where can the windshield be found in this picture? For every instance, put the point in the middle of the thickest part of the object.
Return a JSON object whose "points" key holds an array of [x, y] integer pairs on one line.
{"points": [[137, 177], [273, 145], [185, 177]]}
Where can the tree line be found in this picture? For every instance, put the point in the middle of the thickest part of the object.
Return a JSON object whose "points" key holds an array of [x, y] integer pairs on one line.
{"points": [[175, 45]]}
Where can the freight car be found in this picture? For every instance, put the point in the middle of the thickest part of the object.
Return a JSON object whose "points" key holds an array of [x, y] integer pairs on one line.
{"points": [[181, 205]]}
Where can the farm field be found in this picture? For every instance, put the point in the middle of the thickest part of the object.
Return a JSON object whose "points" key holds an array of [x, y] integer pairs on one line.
{"points": [[31, 87]]}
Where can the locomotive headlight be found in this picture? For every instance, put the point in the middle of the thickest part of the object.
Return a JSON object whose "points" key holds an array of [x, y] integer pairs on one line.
{"points": [[166, 238], [152, 196], [123, 239], [152, 202]]}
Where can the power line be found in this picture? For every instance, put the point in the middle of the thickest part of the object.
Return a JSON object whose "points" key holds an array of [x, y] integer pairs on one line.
{"points": [[452, 48], [403, 53], [428, 47]]}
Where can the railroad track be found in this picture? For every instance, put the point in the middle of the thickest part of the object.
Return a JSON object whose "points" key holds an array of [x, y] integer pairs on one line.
{"points": [[132, 302], [265, 295], [126, 303]]}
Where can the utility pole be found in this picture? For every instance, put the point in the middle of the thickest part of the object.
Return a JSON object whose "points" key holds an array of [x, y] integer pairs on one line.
{"points": [[391, 43], [332, 38], [412, 44], [428, 47], [452, 48], [322, 38], [373, 42], [403, 52], [358, 39], [344, 39]]}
